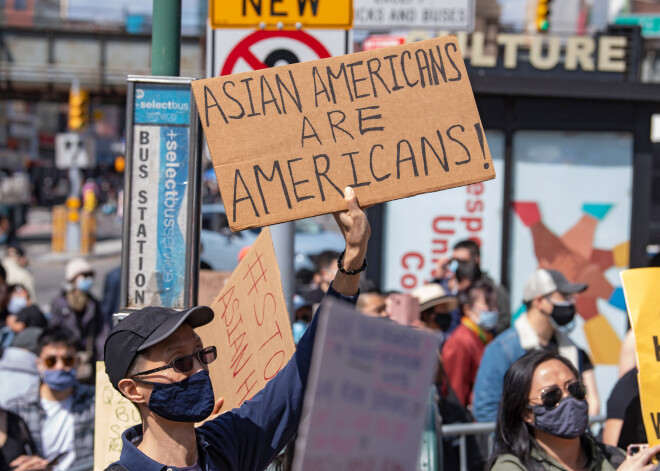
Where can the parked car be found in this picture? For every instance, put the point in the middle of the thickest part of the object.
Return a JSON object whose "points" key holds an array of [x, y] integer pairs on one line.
{"points": [[220, 246]]}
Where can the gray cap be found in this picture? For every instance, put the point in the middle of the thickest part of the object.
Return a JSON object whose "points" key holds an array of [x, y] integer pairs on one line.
{"points": [[544, 282], [28, 339]]}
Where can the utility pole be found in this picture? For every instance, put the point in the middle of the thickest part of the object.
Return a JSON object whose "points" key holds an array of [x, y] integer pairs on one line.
{"points": [[166, 38]]}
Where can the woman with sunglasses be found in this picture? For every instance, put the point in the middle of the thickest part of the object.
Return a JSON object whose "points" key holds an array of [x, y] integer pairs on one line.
{"points": [[543, 422]]}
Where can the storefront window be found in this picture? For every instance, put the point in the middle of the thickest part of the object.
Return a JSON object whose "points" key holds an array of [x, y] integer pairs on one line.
{"points": [[421, 230], [571, 211]]}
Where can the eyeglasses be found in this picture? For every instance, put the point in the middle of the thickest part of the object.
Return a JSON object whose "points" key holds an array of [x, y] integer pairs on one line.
{"points": [[186, 363], [551, 396], [51, 361]]}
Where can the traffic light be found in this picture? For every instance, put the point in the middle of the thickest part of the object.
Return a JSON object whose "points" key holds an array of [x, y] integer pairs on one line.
{"points": [[543, 15], [120, 164], [78, 109]]}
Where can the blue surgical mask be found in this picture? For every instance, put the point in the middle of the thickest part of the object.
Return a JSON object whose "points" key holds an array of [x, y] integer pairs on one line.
{"points": [[60, 380], [16, 303], [488, 319], [568, 328], [190, 400], [453, 266], [85, 284]]}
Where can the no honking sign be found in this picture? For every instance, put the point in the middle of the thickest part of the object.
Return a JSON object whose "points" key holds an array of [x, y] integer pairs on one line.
{"points": [[244, 50]]}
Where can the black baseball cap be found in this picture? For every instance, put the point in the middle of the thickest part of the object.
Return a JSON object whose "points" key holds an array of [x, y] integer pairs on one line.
{"points": [[142, 329]]}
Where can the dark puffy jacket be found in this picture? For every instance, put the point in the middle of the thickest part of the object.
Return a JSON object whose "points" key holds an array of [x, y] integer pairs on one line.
{"points": [[89, 323]]}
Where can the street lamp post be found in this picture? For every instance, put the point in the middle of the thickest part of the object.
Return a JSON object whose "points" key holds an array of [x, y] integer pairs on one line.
{"points": [[166, 38]]}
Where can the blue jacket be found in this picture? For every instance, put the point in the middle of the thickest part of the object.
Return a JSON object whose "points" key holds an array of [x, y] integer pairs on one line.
{"points": [[247, 438], [500, 354]]}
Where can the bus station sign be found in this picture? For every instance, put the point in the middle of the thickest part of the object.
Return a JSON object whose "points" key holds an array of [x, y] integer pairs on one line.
{"points": [[159, 256]]}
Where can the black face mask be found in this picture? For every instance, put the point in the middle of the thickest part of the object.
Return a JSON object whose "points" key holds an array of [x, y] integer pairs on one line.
{"points": [[443, 321], [563, 312], [189, 400], [569, 419]]}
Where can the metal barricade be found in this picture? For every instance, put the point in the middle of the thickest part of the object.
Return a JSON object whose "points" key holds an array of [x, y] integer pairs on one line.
{"points": [[485, 428], [462, 431], [430, 454]]}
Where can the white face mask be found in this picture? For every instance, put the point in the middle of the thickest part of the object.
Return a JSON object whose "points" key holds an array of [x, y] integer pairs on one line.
{"points": [[16, 303]]}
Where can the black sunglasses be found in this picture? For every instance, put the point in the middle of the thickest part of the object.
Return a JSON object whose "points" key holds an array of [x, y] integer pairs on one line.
{"points": [[186, 363], [551, 396], [68, 361]]}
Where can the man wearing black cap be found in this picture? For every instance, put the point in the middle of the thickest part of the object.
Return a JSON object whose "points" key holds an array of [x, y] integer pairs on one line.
{"points": [[550, 301], [157, 361]]}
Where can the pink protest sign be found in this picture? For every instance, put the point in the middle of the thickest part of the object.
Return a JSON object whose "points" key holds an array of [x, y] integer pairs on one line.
{"points": [[367, 395]]}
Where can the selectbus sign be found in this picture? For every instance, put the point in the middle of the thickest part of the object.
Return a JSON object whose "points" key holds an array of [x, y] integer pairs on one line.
{"points": [[156, 104], [158, 236]]}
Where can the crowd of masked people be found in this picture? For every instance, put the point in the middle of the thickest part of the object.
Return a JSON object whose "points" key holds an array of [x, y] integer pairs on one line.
{"points": [[47, 367], [520, 371]]}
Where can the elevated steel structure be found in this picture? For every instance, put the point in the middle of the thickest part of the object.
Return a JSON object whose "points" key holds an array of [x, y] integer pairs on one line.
{"points": [[40, 64]]}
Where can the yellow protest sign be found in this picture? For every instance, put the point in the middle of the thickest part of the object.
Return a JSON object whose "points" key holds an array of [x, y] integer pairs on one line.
{"points": [[251, 328], [114, 414], [640, 286], [392, 123]]}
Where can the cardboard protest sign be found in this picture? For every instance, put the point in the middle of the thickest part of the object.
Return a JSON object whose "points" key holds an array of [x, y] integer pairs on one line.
{"points": [[391, 123], [113, 414], [251, 328], [367, 393], [643, 301], [210, 282]]}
